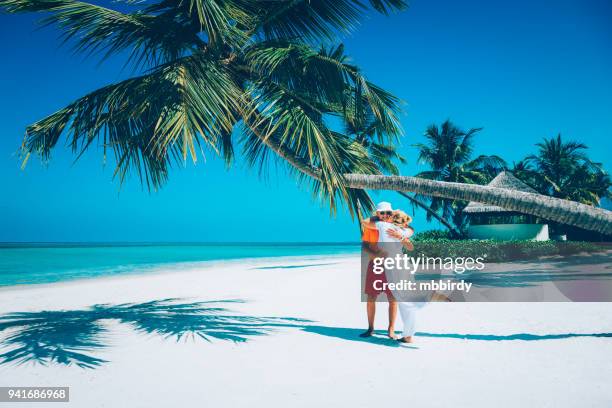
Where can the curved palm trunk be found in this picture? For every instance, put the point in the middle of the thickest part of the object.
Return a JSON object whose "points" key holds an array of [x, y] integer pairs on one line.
{"points": [[434, 214], [554, 209]]}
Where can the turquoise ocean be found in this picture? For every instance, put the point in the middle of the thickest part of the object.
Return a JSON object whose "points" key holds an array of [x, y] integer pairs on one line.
{"points": [[45, 263]]}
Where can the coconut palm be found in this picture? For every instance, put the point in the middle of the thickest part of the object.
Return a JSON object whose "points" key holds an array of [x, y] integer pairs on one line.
{"points": [[562, 169], [448, 154], [206, 67]]}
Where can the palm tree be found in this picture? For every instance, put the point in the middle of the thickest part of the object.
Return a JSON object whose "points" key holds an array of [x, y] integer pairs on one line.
{"points": [[563, 170], [448, 154], [206, 67]]}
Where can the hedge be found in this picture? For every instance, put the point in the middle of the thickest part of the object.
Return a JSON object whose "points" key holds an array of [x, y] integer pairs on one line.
{"points": [[499, 251]]}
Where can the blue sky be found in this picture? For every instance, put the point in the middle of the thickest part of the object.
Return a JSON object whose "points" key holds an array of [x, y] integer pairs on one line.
{"points": [[523, 70]]}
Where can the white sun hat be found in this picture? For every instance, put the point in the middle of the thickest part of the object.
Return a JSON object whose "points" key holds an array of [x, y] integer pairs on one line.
{"points": [[383, 206]]}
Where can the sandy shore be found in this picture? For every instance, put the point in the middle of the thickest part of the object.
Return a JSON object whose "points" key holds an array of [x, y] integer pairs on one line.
{"points": [[468, 354]]}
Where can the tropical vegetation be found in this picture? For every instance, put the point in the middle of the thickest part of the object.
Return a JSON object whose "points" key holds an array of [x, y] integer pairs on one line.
{"points": [[559, 169], [563, 169]]}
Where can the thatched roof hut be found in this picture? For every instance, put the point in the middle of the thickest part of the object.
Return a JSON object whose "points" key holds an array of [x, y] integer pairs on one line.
{"points": [[492, 222], [505, 179]]}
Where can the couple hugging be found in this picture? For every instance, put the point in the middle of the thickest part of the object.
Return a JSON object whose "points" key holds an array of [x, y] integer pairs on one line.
{"points": [[386, 234]]}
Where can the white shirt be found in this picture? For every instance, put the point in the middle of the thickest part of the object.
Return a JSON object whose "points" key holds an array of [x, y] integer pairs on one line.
{"points": [[383, 227]]}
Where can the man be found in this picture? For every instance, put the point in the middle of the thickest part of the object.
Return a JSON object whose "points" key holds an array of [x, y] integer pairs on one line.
{"points": [[370, 238]]}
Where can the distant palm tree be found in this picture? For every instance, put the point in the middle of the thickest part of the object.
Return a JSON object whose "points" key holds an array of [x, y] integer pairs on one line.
{"points": [[448, 153], [207, 67], [524, 171], [562, 169]]}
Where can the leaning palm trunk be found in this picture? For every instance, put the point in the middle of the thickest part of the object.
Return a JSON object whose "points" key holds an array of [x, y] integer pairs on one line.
{"points": [[554, 209]]}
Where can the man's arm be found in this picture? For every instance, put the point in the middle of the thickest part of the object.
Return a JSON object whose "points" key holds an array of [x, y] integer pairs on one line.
{"points": [[370, 239]]}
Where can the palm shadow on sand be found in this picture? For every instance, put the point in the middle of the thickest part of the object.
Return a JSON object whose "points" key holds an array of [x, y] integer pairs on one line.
{"points": [[511, 337], [72, 337], [352, 334]]}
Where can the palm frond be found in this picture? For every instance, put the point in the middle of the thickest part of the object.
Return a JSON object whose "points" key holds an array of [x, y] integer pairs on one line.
{"points": [[152, 39], [275, 116], [148, 122], [384, 156], [484, 162], [327, 76], [388, 6], [465, 148], [222, 22], [313, 19]]}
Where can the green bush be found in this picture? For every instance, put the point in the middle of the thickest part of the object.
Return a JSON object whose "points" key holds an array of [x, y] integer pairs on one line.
{"points": [[500, 251], [431, 235]]}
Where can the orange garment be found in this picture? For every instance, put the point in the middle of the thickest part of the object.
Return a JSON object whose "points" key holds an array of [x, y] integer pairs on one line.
{"points": [[370, 234]]}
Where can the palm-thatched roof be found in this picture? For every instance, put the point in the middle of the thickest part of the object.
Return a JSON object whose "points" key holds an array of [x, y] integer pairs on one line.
{"points": [[505, 179]]}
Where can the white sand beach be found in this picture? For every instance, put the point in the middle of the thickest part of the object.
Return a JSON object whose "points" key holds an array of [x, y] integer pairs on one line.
{"points": [[467, 354]]}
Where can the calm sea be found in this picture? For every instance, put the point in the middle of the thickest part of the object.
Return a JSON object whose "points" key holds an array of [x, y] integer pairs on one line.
{"points": [[44, 263]]}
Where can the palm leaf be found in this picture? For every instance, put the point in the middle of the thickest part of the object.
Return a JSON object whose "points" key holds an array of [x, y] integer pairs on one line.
{"points": [[152, 39], [327, 75], [219, 20], [313, 19], [148, 121]]}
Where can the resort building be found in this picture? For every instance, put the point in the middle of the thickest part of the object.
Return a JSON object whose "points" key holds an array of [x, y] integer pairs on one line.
{"points": [[492, 222]]}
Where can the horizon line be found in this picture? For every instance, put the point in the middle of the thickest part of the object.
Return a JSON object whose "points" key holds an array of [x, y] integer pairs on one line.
{"points": [[181, 242]]}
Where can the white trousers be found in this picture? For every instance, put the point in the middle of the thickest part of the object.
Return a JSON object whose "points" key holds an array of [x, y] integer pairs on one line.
{"points": [[408, 312]]}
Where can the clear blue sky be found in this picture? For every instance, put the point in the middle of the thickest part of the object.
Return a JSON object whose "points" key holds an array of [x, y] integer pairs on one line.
{"points": [[523, 70]]}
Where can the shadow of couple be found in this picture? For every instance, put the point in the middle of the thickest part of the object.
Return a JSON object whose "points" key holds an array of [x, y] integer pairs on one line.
{"points": [[71, 337]]}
